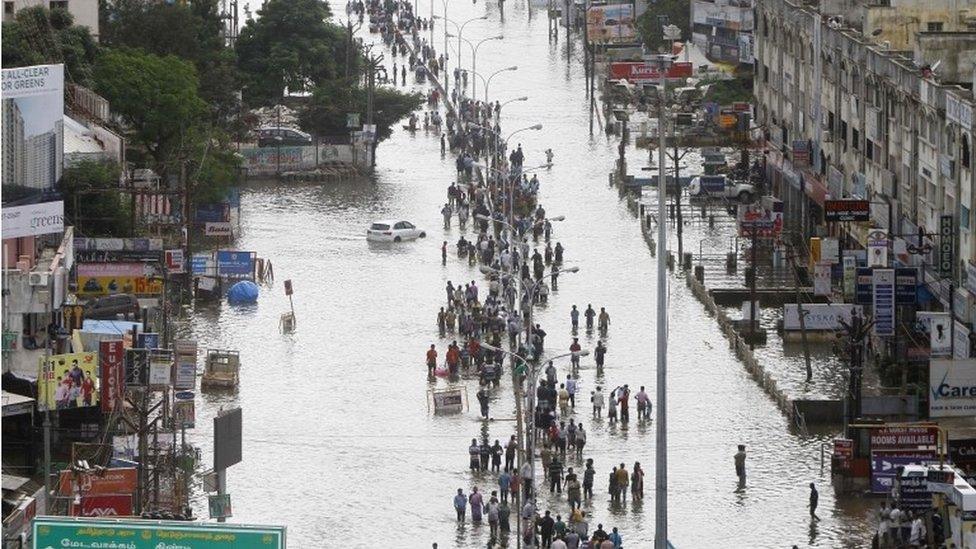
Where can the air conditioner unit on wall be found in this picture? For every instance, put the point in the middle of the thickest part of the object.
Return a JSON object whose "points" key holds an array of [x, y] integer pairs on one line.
{"points": [[39, 279]]}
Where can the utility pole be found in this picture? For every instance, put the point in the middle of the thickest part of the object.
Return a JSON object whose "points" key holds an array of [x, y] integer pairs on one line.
{"points": [[47, 415], [800, 312], [856, 331], [661, 461]]}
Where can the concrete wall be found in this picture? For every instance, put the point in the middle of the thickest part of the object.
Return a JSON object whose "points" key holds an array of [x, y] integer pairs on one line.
{"points": [[956, 50], [266, 160]]}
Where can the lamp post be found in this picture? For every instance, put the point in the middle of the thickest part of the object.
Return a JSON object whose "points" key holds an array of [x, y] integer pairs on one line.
{"points": [[496, 73], [474, 57]]}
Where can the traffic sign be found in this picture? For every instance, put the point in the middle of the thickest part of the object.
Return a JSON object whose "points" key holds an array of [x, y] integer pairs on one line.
{"points": [[54, 532]]}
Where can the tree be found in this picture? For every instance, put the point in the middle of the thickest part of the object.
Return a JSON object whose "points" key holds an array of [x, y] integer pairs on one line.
{"points": [[156, 98], [326, 112], [38, 36], [290, 44], [92, 200], [192, 31], [650, 28]]}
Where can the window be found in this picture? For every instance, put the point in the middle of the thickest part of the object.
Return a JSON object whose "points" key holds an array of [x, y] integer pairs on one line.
{"points": [[934, 26], [830, 121], [965, 151], [843, 133], [63, 4], [8, 8], [766, 74], [855, 139], [869, 149]]}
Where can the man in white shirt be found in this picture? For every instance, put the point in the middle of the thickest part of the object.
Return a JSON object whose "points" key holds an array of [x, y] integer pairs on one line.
{"points": [[917, 538]]}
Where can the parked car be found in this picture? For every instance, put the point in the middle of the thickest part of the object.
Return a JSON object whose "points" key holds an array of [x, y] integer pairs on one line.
{"points": [[393, 231], [111, 306], [272, 137], [721, 187]]}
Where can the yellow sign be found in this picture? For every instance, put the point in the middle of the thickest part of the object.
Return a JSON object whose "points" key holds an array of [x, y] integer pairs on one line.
{"points": [[67, 381], [107, 285]]}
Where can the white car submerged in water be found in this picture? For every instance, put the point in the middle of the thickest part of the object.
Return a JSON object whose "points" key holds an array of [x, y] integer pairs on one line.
{"points": [[393, 231]]}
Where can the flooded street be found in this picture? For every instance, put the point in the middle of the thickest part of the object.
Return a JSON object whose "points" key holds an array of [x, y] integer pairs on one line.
{"points": [[339, 443]]}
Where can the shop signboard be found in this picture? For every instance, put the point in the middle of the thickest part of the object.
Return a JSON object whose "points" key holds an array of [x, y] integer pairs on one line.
{"points": [[961, 348], [67, 381], [136, 367], [160, 368], [610, 24], [117, 480], [801, 152], [946, 245], [913, 492], [108, 505], [33, 219], [885, 464], [111, 362], [819, 316], [962, 451], [952, 388], [147, 340], [760, 221], [184, 409], [448, 401], [821, 279], [153, 534], [847, 210], [642, 72], [940, 341], [235, 263], [911, 437], [850, 266], [844, 452], [877, 248], [829, 250], [186, 364], [174, 261], [219, 506], [884, 302], [203, 264], [96, 279], [219, 228], [906, 283]]}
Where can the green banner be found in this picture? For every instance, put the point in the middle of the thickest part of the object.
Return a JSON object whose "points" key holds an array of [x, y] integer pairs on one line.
{"points": [[57, 532]]}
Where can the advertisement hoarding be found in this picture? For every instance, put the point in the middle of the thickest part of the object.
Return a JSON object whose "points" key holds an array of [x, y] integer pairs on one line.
{"points": [[118, 480], [847, 210], [67, 381], [642, 72], [610, 24], [117, 278], [952, 388], [153, 534], [111, 362], [136, 367], [220, 228], [33, 128], [946, 245], [885, 464], [33, 219], [112, 505]]}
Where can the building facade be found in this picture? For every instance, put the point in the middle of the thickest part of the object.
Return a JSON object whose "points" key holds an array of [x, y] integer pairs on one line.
{"points": [[847, 115], [85, 12], [722, 29], [13, 143]]}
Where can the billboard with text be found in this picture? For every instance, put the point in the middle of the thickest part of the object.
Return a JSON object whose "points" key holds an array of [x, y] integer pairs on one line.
{"points": [[33, 126]]}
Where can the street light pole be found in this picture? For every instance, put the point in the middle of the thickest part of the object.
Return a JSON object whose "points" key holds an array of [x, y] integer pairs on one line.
{"points": [[661, 463]]}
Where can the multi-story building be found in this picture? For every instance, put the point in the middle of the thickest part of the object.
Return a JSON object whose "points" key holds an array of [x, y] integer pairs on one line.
{"points": [[44, 158], [871, 101], [85, 12], [13, 143], [722, 29]]}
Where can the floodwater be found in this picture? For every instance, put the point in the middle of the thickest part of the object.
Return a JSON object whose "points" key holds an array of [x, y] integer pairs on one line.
{"points": [[339, 442]]}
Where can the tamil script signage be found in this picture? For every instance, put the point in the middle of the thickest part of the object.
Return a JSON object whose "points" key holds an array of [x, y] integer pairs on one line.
{"points": [[952, 388], [819, 316], [33, 219], [153, 534], [847, 210]]}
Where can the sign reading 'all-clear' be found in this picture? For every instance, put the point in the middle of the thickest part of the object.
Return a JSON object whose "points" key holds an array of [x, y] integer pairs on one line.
{"points": [[153, 534]]}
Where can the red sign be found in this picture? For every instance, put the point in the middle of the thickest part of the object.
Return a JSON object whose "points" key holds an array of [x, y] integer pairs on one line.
{"points": [[111, 358], [118, 505], [122, 480], [637, 72], [900, 438], [844, 452]]}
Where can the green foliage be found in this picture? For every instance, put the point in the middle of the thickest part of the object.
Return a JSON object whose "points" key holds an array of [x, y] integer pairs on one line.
{"points": [[292, 44], [38, 36], [325, 114], [155, 96], [726, 92], [92, 212], [679, 15], [191, 31]]}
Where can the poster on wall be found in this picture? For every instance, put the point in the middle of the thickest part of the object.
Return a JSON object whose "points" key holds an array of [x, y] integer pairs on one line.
{"points": [[33, 126], [67, 381]]}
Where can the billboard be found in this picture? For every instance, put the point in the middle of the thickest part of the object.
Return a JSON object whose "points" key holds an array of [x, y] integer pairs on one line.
{"points": [[33, 126], [153, 534], [111, 362], [952, 388], [227, 438], [67, 381], [819, 316], [136, 367], [611, 24], [760, 221], [33, 219], [884, 302], [119, 480], [847, 210], [118, 278], [885, 464], [112, 505]]}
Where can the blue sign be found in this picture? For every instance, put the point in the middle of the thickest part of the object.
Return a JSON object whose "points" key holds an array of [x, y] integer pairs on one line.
{"points": [[198, 265], [234, 263], [863, 286], [884, 302], [906, 281], [148, 340], [213, 213], [885, 465]]}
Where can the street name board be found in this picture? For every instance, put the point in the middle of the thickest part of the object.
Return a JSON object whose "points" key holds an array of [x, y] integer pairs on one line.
{"points": [[884, 302], [847, 210], [946, 245], [152, 534]]}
